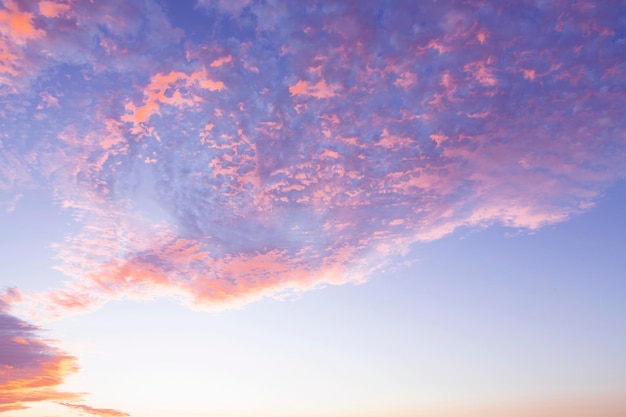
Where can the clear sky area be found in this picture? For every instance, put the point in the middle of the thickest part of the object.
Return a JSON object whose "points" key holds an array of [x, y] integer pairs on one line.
{"points": [[273, 208]]}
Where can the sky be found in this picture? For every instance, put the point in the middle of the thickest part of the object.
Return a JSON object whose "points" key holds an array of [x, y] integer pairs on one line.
{"points": [[312, 208]]}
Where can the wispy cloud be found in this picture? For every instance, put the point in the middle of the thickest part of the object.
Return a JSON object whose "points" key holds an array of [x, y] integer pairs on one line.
{"points": [[10, 205], [99, 412], [301, 146]]}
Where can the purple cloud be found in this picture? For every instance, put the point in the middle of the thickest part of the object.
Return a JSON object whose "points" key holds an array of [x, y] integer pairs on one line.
{"points": [[31, 368]]}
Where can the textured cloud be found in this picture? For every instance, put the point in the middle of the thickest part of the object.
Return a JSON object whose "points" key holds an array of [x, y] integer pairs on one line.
{"points": [[31, 368], [278, 147], [18, 25]]}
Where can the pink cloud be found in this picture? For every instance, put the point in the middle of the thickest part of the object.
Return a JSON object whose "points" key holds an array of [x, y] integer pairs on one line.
{"points": [[167, 265], [317, 90], [313, 150], [10, 205], [51, 9], [482, 72], [18, 25], [100, 412], [165, 89], [222, 61], [406, 79], [11, 295], [48, 101], [9, 60], [14, 172]]}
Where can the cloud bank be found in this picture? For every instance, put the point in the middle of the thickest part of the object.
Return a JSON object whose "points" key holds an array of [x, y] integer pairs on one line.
{"points": [[275, 146], [31, 368]]}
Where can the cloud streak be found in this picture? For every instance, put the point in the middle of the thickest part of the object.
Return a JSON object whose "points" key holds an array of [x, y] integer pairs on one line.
{"points": [[99, 412], [289, 147]]}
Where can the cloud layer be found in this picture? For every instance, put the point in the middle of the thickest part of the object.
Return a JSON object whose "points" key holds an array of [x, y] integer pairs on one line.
{"points": [[274, 146]]}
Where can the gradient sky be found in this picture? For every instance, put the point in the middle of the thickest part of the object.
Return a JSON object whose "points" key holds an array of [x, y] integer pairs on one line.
{"points": [[312, 208]]}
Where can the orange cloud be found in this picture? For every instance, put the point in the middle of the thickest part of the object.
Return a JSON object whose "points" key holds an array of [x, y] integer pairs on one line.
{"points": [[31, 368], [18, 25], [169, 89], [482, 35]]}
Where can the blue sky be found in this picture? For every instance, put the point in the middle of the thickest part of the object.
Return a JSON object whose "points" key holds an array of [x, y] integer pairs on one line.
{"points": [[265, 207]]}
